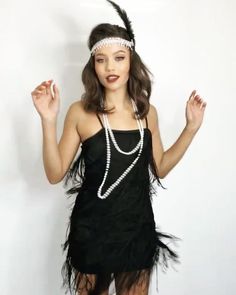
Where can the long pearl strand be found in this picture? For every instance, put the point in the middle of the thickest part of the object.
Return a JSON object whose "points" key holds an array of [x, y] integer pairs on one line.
{"points": [[113, 137], [108, 131]]}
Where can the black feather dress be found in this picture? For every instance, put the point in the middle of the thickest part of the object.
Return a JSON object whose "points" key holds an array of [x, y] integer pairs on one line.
{"points": [[114, 237]]}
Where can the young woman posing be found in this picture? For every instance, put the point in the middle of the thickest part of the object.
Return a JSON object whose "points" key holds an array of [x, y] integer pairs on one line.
{"points": [[112, 232]]}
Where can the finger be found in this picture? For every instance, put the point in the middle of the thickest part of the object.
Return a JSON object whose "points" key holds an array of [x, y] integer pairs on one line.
{"points": [[37, 93], [47, 82], [41, 88], [44, 83], [44, 86], [48, 88], [47, 85], [56, 91], [192, 95], [34, 92], [203, 106], [201, 101], [197, 99], [191, 98]]}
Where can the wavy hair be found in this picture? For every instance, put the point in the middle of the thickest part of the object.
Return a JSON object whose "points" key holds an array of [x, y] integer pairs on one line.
{"points": [[139, 84]]}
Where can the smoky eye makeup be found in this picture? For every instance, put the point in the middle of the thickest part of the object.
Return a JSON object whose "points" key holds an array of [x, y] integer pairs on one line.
{"points": [[99, 60], [120, 57]]}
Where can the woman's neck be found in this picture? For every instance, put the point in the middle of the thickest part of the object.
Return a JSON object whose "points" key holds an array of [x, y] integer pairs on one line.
{"points": [[118, 99]]}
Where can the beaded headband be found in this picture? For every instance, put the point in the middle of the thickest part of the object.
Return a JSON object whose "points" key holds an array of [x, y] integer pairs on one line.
{"points": [[110, 41]]}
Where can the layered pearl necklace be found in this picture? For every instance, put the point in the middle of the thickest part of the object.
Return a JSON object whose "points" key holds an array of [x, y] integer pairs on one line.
{"points": [[139, 146]]}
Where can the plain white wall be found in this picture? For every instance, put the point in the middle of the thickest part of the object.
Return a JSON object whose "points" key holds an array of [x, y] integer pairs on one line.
{"points": [[187, 45]]}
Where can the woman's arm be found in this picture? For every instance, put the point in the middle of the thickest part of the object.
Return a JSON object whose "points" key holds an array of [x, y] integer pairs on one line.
{"points": [[166, 160], [57, 157], [174, 154]]}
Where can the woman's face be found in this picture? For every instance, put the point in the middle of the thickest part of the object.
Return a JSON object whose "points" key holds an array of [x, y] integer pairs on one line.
{"points": [[112, 61]]}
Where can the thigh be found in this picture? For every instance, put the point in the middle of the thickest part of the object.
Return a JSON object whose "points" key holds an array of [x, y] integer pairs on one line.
{"points": [[87, 283], [127, 283], [84, 283]]}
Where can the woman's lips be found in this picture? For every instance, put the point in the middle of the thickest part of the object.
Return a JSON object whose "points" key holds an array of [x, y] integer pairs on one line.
{"points": [[112, 79]]}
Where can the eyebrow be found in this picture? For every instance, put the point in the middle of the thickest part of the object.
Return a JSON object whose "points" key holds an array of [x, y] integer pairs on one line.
{"points": [[113, 53]]}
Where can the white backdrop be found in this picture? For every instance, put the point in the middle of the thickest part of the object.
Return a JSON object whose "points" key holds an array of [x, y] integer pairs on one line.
{"points": [[187, 45]]}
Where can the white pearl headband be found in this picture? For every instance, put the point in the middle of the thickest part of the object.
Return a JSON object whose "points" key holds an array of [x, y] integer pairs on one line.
{"points": [[111, 40]]}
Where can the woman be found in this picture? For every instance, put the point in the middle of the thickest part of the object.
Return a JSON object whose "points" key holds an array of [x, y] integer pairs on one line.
{"points": [[112, 232]]}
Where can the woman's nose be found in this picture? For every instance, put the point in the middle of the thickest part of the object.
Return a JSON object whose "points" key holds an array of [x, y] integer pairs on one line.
{"points": [[110, 65]]}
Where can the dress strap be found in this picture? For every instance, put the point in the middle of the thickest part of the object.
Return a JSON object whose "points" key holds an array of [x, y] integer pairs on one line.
{"points": [[146, 122], [100, 120]]}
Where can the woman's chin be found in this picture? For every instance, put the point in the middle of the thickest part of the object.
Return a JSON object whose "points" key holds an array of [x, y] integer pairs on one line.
{"points": [[114, 87]]}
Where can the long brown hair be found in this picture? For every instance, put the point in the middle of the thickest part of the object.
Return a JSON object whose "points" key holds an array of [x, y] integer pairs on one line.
{"points": [[139, 83], [139, 88]]}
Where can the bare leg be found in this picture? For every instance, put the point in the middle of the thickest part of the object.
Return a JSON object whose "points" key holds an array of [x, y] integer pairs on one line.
{"points": [[87, 283], [140, 288]]}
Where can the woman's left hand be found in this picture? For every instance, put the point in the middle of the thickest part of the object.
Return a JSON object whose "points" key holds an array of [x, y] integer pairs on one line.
{"points": [[195, 108]]}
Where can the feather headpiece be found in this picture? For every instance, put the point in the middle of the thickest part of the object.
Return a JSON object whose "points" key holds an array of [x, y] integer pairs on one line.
{"points": [[123, 15], [121, 41]]}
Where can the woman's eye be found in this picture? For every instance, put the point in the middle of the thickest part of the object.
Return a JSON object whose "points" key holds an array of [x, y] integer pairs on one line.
{"points": [[100, 60], [120, 57]]}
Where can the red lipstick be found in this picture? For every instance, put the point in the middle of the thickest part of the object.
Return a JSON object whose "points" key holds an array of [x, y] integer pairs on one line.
{"points": [[112, 78]]}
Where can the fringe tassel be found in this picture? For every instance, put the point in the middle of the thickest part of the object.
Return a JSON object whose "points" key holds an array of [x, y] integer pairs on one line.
{"points": [[75, 281], [163, 254]]}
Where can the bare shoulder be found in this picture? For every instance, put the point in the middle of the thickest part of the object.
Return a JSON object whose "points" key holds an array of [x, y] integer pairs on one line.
{"points": [[76, 113], [76, 110], [152, 117], [152, 111], [86, 123]]}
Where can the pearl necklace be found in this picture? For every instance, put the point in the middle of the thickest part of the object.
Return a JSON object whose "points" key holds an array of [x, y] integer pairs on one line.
{"points": [[113, 137], [139, 146]]}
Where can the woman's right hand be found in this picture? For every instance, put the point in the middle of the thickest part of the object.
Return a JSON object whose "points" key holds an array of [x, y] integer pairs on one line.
{"points": [[46, 103]]}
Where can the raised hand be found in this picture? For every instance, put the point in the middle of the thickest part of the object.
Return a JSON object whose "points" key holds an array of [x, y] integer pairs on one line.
{"points": [[46, 103], [195, 108]]}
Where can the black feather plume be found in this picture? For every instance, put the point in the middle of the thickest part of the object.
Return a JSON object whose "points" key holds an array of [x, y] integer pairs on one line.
{"points": [[125, 19]]}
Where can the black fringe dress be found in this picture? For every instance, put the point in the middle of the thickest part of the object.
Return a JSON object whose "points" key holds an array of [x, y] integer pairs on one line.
{"points": [[114, 237]]}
